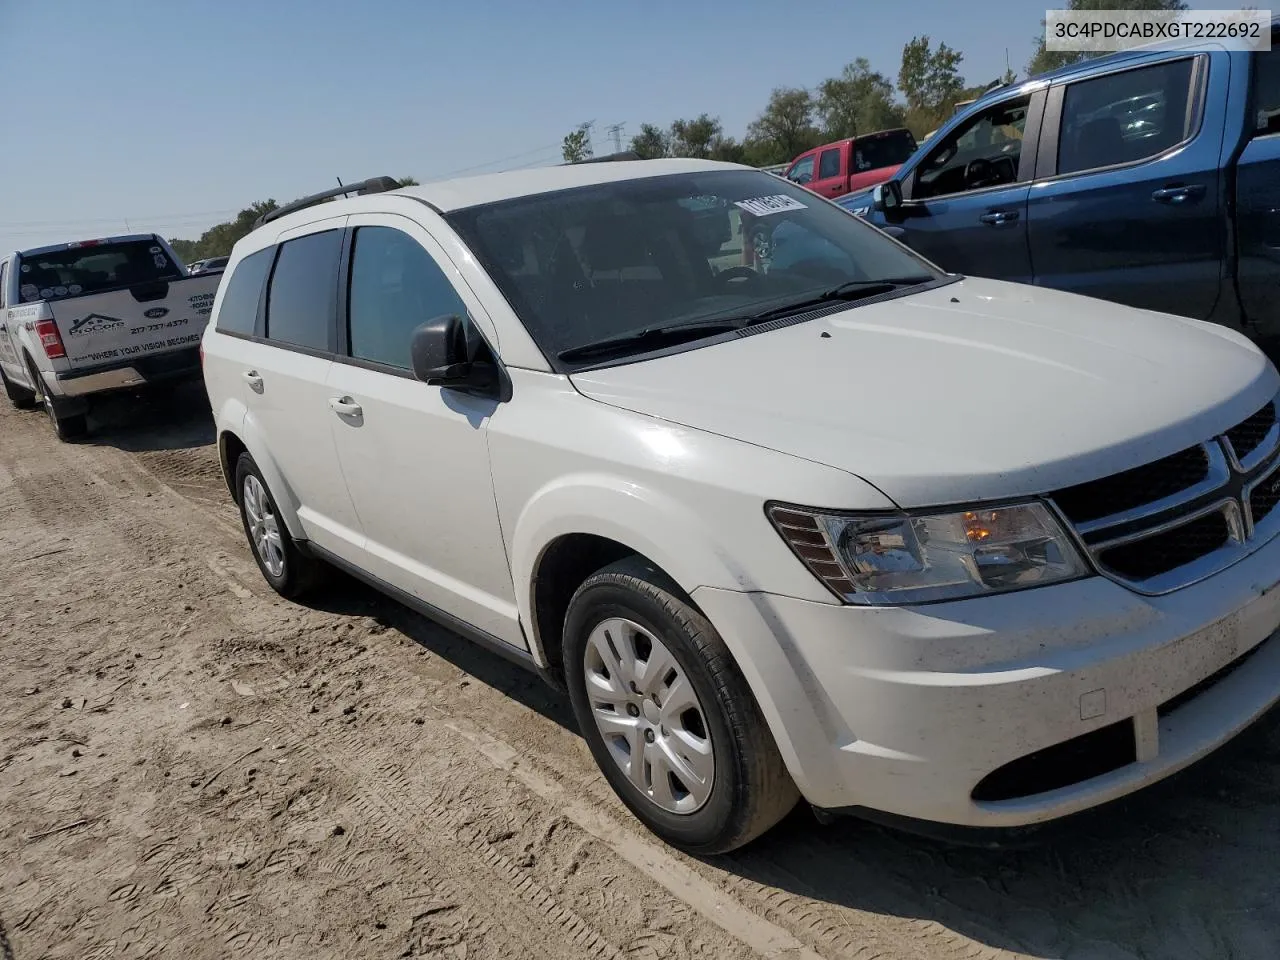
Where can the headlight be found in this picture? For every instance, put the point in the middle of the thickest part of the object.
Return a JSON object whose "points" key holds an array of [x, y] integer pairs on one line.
{"points": [[890, 559]]}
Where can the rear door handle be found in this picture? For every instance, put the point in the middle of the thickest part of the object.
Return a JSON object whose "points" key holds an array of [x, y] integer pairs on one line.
{"points": [[345, 407], [997, 217], [254, 381], [1178, 194]]}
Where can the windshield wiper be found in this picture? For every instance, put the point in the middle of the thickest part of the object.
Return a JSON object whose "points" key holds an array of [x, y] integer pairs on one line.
{"points": [[669, 332], [853, 290]]}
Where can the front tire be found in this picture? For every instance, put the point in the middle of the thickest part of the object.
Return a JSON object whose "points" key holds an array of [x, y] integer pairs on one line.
{"points": [[287, 569], [668, 715]]}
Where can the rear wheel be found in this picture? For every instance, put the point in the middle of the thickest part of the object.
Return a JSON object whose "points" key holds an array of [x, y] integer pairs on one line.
{"points": [[668, 715], [287, 569], [66, 426], [21, 397]]}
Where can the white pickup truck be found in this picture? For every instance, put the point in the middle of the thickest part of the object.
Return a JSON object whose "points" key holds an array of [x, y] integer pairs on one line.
{"points": [[84, 318]]}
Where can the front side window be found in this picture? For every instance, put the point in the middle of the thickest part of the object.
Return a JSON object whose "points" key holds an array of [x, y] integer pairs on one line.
{"points": [[300, 301], [1266, 90], [238, 312], [982, 152], [1124, 117], [396, 287], [829, 164], [802, 172], [605, 261]]}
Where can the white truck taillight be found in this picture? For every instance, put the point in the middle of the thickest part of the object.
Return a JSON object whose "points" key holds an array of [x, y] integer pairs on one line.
{"points": [[50, 339]]}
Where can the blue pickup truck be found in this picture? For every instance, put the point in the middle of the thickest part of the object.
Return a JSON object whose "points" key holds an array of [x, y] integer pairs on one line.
{"points": [[1149, 177]]}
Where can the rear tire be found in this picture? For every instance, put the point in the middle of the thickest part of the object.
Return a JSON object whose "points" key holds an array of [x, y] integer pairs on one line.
{"points": [[21, 397], [289, 571], [67, 427], [702, 772]]}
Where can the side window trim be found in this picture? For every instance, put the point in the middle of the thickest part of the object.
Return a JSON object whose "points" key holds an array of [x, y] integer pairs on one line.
{"points": [[1047, 155], [1031, 133]]}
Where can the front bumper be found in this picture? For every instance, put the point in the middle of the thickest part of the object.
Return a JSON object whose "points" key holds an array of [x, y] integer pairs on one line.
{"points": [[127, 375], [913, 711]]}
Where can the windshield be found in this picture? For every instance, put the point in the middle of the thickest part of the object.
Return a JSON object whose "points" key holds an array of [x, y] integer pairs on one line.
{"points": [[598, 262], [888, 150], [58, 274]]}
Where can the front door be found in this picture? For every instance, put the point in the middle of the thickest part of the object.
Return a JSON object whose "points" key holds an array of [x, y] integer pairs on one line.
{"points": [[966, 200], [416, 457]]}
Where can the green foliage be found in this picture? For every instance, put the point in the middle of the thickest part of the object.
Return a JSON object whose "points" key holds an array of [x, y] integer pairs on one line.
{"points": [[651, 142], [1046, 60], [930, 82], [577, 145], [407, 182], [693, 138], [218, 240], [860, 100], [786, 126]]}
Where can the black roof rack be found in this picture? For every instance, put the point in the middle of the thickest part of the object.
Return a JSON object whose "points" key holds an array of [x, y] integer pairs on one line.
{"points": [[372, 185], [607, 158]]}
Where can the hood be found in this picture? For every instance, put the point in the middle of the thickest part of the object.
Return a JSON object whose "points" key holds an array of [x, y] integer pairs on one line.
{"points": [[976, 390]]}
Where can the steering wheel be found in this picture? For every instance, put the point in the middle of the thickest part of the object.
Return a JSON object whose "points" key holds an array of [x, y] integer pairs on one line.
{"points": [[979, 172], [736, 273]]}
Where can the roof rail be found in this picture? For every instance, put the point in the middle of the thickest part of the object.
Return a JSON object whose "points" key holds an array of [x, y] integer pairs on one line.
{"points": [[372, 185], [607, 158]]}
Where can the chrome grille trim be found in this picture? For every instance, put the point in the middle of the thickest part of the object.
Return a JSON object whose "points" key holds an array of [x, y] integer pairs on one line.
{"points": [[1233, 478]]}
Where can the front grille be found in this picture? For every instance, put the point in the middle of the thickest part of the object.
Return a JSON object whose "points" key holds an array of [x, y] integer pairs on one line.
{"points": [[1125, 491], [1176, 520], [1163, 552]]}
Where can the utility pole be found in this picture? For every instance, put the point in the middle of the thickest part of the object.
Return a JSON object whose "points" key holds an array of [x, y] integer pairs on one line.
{"points": [[615, 131]]}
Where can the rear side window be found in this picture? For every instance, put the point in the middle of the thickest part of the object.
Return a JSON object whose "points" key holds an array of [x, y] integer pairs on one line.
{"points": [[239, 310], [829, 164], [1125, 117], [1266, 90], [395, 287], [94, 267], [300, 301], [889, 150]]}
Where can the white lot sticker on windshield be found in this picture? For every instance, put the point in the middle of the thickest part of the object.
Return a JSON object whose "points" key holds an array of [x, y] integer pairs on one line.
{"points": [[763, 206]]}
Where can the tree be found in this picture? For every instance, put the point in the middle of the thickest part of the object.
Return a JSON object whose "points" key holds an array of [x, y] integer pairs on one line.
{"points": [[218, 240], [931, 83], [1046, 60], [693, 138], [785, 128], [577, 145], [650, 143], [860, 100], [407, 182], [727, 149]]}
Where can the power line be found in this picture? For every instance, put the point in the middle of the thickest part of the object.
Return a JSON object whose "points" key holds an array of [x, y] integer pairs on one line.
{"points": [[163, 218]]}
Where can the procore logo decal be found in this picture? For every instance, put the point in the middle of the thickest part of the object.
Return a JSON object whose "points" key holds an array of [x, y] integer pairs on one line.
{"points": [[94, 323]]}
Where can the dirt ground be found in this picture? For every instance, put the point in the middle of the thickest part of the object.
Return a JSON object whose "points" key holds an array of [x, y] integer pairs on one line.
{"points": [[191, 767]]}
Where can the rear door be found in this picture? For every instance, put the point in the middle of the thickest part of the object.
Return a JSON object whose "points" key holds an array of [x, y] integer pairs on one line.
{"points": [[831, 179], [1258, 197], [285, 374], [967, 197], [1128, 201]]}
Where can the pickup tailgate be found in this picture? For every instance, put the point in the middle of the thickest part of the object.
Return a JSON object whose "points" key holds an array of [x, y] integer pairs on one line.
{"points": [[143, 320]]}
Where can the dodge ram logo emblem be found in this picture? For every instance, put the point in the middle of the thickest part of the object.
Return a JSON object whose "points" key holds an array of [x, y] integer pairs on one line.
{"points": [[155, 313]]}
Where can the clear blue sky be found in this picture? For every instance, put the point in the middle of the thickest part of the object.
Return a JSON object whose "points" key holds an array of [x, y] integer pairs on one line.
{"points": [[172, 114]]}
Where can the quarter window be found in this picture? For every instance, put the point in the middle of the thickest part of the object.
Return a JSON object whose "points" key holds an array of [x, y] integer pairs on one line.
{"points": [[1266, 90], [300, 303], [238, 312], [396, 286], [1124, 117]]}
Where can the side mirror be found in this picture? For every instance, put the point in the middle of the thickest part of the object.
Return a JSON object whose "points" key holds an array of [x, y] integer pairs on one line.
{"points": [[886, 198], [441, 357]]}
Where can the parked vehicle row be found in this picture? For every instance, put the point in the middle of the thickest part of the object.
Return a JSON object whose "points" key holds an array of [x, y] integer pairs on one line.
{"points": [[81, 319], [211, 265], [1149, 178], [843, 526], [853, 164]]}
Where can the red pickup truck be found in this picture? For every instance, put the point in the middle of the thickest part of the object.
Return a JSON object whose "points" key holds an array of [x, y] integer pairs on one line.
{"points": [[835, 169]]}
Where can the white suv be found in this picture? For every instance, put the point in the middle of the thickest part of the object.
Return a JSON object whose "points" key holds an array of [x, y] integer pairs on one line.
{"points": [[834, 525]]}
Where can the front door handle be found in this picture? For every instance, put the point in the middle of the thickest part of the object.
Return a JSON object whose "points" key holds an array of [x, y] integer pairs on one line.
{"points": [[997, 217], [253, 379], [345, 407], [1180, 193]]}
